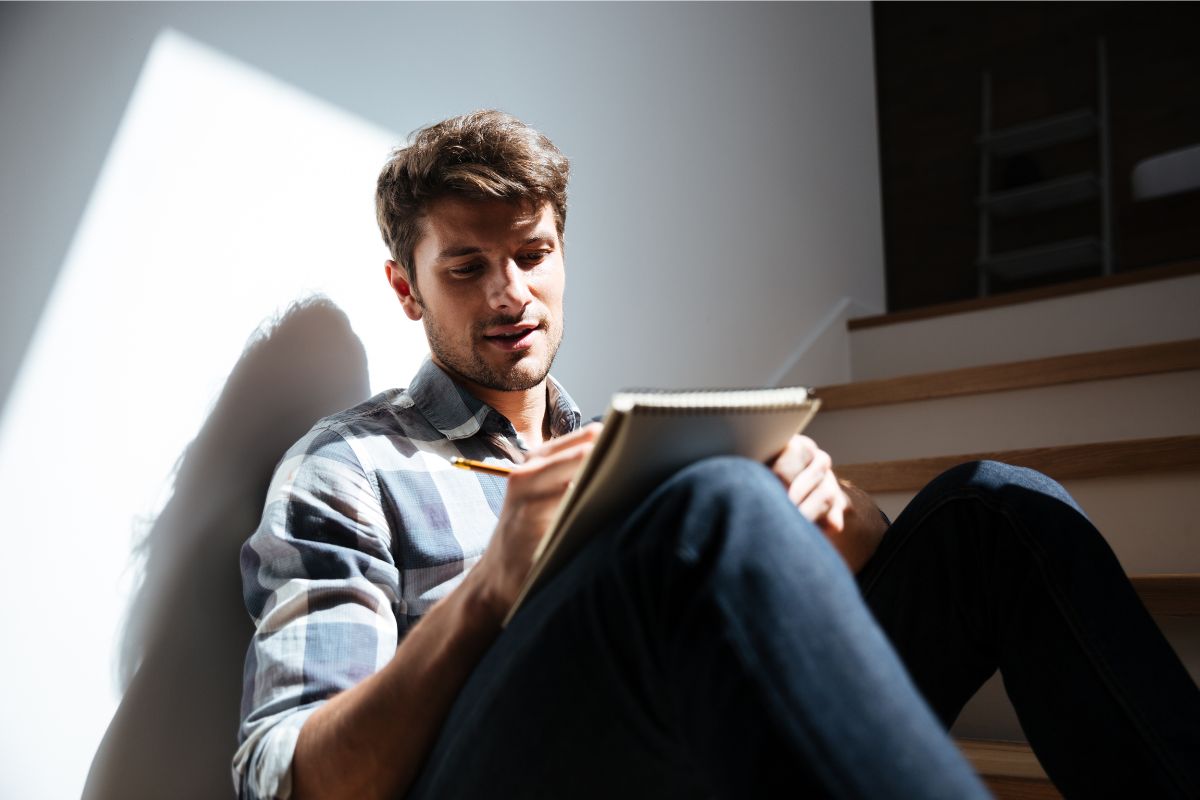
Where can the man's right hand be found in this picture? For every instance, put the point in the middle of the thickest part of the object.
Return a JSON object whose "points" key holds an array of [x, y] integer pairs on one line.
{"points": [[351, 746], [535, 489]]}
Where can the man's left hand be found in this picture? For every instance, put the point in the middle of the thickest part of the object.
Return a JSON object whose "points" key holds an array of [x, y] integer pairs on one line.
{"points": [[843, 512]]}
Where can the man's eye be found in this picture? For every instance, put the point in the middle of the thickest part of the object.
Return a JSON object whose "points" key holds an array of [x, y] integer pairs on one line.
{"points": [[465, 270], [536, 257]]}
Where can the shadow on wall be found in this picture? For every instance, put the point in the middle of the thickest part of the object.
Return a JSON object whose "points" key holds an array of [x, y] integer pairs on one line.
{"points": [[186, 633]]}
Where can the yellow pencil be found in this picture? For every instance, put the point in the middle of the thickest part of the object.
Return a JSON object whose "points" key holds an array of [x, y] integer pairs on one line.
{"points": [[479, 466]]}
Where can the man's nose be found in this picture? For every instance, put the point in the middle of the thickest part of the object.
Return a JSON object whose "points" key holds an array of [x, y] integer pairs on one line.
{"points": [[510, 289]]}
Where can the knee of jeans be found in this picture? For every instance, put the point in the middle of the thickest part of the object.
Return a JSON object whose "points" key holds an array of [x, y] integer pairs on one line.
{"points": [[723, 478], [996, 479], [1035, 502], [729, 489]]}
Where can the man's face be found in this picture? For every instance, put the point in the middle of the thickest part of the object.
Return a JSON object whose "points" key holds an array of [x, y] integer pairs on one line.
{"points": [[489, 289]]}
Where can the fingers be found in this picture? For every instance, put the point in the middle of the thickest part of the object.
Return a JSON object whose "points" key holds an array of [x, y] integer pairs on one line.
{"points": [[819, 499], [535, 489], [550, 474], [818, 469], [794, 458], [826, 505], [812, 486]]}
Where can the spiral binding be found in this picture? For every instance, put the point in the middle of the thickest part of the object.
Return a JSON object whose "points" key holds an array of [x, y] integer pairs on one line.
{"points": [[699, 401]]}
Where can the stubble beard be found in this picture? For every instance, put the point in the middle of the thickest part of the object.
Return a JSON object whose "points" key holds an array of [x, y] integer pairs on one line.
{"points": [[471, 365]]}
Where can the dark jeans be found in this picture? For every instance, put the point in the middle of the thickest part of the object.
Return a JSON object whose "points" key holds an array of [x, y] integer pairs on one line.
{"points": [[992, 566], [715, 645]]}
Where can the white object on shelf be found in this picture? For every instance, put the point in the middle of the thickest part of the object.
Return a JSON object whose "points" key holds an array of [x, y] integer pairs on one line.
{"points": [[1167, 173]]}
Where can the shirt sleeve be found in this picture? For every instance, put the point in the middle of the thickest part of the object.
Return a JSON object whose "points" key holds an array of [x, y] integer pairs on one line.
{"points": [[322, 587]]}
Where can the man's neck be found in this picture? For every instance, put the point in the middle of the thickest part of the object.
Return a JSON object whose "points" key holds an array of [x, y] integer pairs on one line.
{"points": [[525, 409]]}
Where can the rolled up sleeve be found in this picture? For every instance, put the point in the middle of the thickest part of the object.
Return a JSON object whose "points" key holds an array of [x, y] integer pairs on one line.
{"points": [[323, 589]]}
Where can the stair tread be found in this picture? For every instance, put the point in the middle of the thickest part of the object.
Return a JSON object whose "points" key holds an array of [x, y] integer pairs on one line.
{"points": [[1004, 788], [1164, 594], [1169, 594], [1010, 769], [994, 757], [1063, 462], [1096, 365]]}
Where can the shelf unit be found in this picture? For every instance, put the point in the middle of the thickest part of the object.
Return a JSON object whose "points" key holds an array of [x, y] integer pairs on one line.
{"points": [[1043, 196]]}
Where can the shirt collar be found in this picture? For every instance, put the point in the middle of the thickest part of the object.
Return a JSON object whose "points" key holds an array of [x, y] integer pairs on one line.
{"points": [[458, 414], [564, 414]]}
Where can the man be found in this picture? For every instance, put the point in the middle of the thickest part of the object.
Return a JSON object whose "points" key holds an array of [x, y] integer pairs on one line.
{"points": [[714, 642]]}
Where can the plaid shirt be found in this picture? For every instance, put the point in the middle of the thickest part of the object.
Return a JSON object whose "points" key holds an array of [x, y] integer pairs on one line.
{"points": [[366, 525]]}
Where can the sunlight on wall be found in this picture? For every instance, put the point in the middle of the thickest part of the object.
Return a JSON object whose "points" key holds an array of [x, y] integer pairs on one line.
{"points": [[226, 195]]}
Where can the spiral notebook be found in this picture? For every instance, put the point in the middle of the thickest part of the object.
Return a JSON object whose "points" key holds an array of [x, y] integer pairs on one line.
{"points": [[647, 437]]}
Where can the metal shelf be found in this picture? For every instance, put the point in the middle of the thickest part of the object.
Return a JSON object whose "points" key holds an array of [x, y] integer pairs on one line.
{"points": [[1042, 196], [1041, 133], [1034, 199], [1044, 259]]}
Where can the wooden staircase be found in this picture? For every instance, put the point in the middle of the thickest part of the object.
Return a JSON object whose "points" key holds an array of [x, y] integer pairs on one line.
{"points": [[1113, 415], [1010, 770]]}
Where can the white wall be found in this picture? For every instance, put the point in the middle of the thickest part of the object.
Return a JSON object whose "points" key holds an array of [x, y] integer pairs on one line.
{"points": [[725, 196], [726, 185]]}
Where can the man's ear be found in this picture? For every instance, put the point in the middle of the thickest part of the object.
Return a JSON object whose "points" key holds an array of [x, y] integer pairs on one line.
{"points": [[404, 290]]}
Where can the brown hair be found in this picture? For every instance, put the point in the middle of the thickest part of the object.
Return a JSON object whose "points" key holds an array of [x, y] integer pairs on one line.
{"points": [[484, 155]]}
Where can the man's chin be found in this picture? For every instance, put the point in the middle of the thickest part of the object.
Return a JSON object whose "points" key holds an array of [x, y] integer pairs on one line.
{"points": [[526, 373], [504, 375]]}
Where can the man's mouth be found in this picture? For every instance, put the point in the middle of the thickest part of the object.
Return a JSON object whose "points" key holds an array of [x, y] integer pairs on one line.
{"points": [[512, 337]]}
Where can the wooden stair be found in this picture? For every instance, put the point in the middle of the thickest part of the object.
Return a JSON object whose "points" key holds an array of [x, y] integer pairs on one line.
{"points": [[920, 424], [1010, 769], [1066, 462], [1169, 595], [1105, 364], [1144, 392], [1123, 310]]}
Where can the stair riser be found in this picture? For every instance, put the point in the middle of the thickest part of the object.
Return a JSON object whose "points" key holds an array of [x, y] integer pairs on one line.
{"points": [[1146, 519], [1151, 530], [1129, 315], [989, 715], [1144, 406]]}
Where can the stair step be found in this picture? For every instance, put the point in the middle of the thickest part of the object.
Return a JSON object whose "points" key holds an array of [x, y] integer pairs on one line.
{"points": [[1118, 409], [1064, 462], [1010, 769], [1054, 370], [1021, 788], [989, 715], [1176, 595], [1126, 310], [1009, 759], [1146, 519], [1094, 383]]}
